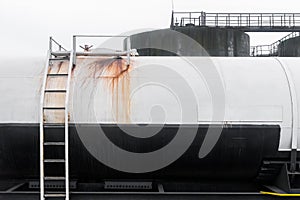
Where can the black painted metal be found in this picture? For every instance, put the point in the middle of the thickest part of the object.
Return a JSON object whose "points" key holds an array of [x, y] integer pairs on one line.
{"points": [[242, 160], [237, 155], [288, 180], [150, 196]]}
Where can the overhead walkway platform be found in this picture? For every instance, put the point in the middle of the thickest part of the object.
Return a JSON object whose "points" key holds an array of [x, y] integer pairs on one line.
{"points": [[247, 22]]}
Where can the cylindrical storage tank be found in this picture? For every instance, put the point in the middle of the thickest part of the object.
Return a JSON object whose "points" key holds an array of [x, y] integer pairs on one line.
{"points": [[289, 47], [215, 42], [167, 118]]}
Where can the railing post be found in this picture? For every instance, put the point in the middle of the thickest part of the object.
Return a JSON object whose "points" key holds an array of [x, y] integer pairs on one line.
{"points": [[253, 51], [229, 19], [74, 49], [128, 50], [249, 20], [203, 20], [172, 20], [50, 44], [199, 18], [294, 20], [261, 19]]}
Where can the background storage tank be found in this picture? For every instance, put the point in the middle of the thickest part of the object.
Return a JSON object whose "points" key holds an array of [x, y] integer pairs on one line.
{"points": [[215, 42], [289, 47]]}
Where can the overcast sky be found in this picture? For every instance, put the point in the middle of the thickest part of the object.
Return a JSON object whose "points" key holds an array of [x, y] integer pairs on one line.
{"points": [[27, 24]]}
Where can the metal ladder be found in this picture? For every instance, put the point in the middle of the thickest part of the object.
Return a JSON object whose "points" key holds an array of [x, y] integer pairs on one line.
{"points": [[62, 55], [46, 193]]}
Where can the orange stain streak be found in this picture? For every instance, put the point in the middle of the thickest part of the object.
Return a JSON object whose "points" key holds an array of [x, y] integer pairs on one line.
{"points": [[114, 73]]}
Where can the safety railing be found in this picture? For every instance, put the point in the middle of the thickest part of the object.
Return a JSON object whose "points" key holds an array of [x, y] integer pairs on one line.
{"points": [[272, 49], [264, 50], [128, 51], [54, 45], [235, 19]]}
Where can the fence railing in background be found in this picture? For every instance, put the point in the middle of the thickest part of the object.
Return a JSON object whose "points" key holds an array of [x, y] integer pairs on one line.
{"points": [[272, 49], [244, 21]]}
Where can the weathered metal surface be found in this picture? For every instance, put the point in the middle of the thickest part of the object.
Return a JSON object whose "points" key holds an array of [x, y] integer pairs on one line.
{"points": [[55, 99], [112, 75], [215, 41], [250, 83]]}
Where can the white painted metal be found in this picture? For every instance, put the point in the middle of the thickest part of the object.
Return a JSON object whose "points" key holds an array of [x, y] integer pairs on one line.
{"points": [[294, 105], [257, 92], [291, 64], [41, 118]]}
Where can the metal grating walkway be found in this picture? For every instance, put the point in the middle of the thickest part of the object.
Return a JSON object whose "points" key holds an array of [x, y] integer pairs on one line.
{"points": [[247, 22]]}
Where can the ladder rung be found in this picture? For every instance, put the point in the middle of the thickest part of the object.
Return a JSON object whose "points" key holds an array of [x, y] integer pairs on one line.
{"points": [[54, 108], [54, 160], [57, 74], [54, 178], [54, 143], [61, 53], [56, 91], [53, 126], [55, 195], [59, 58]]}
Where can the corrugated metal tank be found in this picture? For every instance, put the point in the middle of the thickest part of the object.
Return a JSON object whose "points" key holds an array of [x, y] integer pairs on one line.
{"points": [[289, 48], [214, 41]]}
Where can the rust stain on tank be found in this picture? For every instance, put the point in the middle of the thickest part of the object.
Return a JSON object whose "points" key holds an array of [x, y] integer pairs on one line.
{"points": [[56, 99], [115, 76]]}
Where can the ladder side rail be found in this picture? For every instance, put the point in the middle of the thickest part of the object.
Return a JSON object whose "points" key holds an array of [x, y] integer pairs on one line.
{"points": [[42, 175], [67, 187]]}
